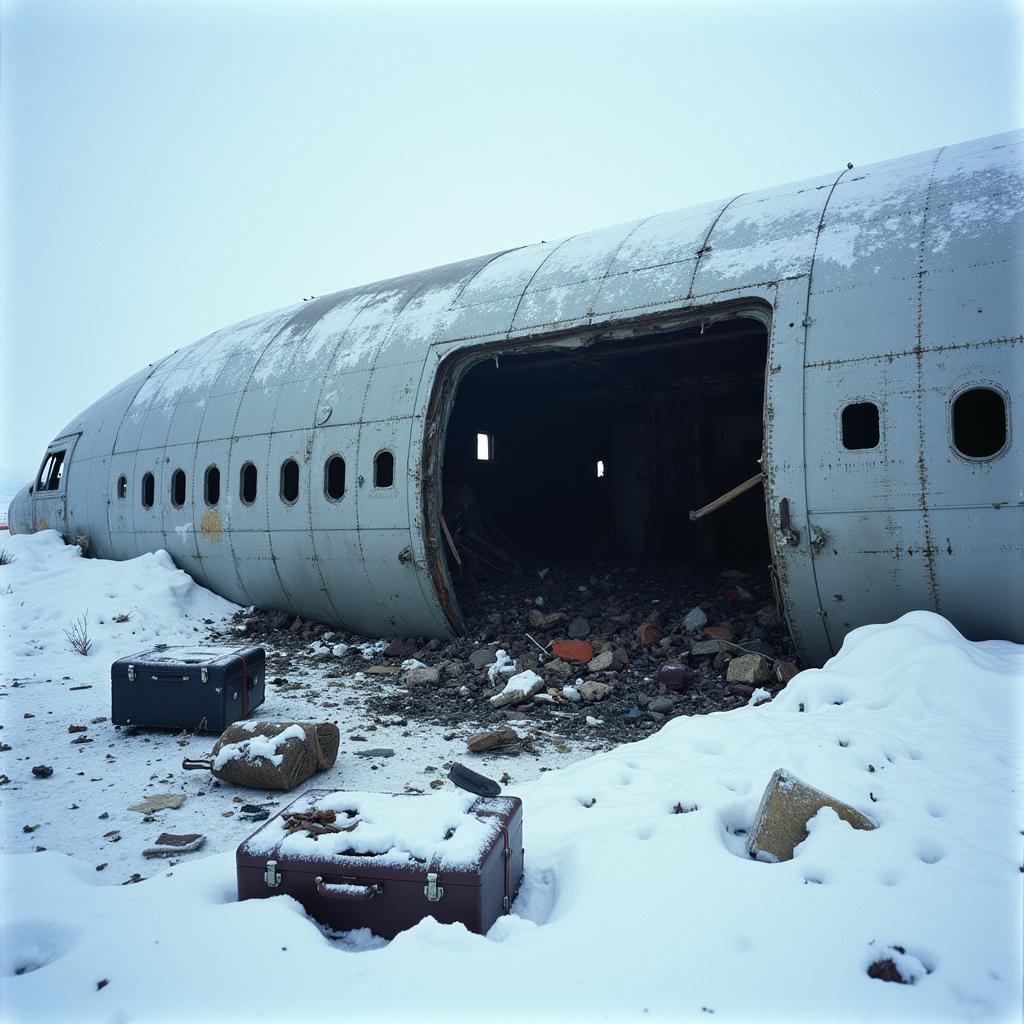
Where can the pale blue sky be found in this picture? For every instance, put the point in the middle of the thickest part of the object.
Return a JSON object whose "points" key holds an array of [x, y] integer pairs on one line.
{"points": [[170, 168]]}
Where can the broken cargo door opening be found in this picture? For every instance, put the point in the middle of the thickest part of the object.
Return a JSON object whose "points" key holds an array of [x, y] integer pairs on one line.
{"points": [[596, 452]]}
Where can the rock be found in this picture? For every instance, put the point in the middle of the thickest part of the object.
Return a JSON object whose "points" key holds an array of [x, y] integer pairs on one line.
{"points": [[572, 650], [579, 629], [672, 676], [159, 802], [515, 716], [751, 669], [655, 618], [694, 619], [376, 752], [718, 632], [621, 657], [602, 662], [253, 812], [169, 845], [77, 728], [558, 667], [545, 620], [705, 648], [339, 650], [42, 771], [593, 691], [788, 804], [400, 648], [661, 705], [434, 645], [785, 670], [424, 676], [648, 633], [482, 741], [740, 690], [482, 658], [571, 693], [520, 687], [767, 617], [758, 646], [594, 722]]}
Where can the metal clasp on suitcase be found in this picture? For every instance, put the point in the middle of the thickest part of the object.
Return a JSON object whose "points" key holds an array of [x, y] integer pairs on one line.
{"points": [[272, 876], [131, 673], [432, 890]]}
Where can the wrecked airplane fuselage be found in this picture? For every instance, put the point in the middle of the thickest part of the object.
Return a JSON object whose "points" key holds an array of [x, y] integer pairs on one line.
{"points": [[858, 333]]}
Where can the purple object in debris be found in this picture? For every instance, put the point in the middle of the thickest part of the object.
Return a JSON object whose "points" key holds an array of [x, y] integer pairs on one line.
{"points": [[672, 676]]}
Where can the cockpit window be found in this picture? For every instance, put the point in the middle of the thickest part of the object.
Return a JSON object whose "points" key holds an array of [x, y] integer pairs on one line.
{"points": [[51, 472]]}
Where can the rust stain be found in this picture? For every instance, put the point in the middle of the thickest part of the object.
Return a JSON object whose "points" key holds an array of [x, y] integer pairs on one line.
{"points": [[209, 526]]}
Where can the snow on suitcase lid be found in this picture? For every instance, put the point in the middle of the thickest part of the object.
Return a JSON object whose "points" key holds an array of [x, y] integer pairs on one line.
{"points": [[394, 829], [190, 654]]}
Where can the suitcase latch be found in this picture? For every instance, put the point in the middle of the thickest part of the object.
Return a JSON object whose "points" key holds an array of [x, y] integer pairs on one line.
{"points": [[204, 675], [272, 876], [131, 673], [432, 890]]}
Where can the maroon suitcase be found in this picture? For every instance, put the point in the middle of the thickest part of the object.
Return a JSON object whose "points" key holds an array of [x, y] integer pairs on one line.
{"points": [[385, 861]]}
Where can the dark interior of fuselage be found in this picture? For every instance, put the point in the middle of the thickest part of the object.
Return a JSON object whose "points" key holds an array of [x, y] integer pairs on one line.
{"points": [[597, 454]]}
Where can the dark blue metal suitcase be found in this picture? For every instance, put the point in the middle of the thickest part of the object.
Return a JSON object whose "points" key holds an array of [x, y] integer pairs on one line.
{"points": [[202, 688]]}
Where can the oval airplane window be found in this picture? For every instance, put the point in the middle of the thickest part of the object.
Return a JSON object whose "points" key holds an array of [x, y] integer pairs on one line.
{"points": [[247, 484], [122, 487], [383, 469], [289, 481], [979, 423], [148, 490], [334, 478], [178, 488], [211, 486]]}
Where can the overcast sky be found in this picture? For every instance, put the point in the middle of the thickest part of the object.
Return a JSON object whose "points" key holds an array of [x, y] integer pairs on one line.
{"points": [[173, 167]]}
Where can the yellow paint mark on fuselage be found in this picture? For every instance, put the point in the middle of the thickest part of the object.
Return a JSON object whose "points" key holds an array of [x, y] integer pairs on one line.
{"points": [[209, 526]]}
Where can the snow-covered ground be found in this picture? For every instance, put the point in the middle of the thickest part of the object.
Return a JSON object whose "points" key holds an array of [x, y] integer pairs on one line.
{"points": [[639, 901]]}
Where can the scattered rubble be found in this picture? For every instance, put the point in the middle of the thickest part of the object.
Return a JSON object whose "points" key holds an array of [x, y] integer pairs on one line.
{"points": [[626, 637]]}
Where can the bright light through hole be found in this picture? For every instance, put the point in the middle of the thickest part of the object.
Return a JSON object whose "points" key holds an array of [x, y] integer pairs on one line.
{"points": [[600, 468], [483, 447]]}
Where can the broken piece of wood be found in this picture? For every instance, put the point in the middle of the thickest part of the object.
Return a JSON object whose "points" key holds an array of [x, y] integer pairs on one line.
{"points": [[714, 506]]}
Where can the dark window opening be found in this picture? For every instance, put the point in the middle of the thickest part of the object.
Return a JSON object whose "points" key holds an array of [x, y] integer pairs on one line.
{"points": [[679, 415], [247, 488], [334, 478], [979, 423], [148, 490], [178, 488], [122, 487], [860, 426], [211, 486], [383, 469], [51, 472], [290, 481]]}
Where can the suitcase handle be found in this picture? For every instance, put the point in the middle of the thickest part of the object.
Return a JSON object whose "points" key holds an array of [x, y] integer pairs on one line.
{"points": [[347, 890]]}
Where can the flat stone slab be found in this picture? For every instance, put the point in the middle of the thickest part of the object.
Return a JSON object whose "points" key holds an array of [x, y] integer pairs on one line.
{"points": [[159, 802], [788, 804]]}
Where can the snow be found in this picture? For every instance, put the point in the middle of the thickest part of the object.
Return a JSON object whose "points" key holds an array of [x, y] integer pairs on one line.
{"points": [[639, 901], [521, 682], [503, 665], [396, 829], [258, 747]]}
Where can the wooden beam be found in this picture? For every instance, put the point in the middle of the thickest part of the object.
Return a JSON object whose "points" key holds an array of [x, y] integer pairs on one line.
{"points": [[714, 506]]}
